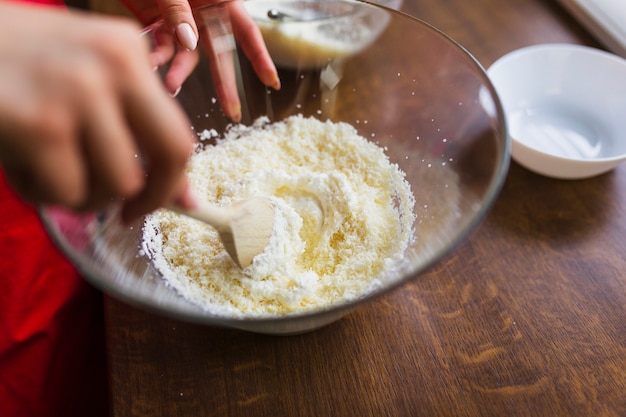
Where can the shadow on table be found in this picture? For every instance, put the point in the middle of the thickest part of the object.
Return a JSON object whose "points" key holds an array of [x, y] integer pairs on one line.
{"points": [[537, 207]]}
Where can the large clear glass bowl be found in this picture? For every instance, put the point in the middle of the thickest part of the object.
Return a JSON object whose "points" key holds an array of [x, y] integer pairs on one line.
{"points": [[401, 83]]}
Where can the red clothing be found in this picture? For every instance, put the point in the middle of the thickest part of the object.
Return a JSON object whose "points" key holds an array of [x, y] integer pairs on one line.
{"points": [[52, 358]]}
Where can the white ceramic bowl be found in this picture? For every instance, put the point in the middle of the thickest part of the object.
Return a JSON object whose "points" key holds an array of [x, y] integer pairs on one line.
{"points": [[566, 108]]}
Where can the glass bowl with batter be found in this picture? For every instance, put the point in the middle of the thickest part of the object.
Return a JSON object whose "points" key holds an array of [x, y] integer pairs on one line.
{"points": [[384, 148]]}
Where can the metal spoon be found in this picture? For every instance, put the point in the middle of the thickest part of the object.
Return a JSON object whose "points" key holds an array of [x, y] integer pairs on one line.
{"points": [[305, 15]]}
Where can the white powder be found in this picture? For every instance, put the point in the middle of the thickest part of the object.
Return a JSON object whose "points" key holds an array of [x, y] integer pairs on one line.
{"points": [[344, 219]]}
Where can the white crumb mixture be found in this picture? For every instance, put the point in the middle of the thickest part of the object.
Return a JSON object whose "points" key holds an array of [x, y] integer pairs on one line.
{"points": [[344, 219]]}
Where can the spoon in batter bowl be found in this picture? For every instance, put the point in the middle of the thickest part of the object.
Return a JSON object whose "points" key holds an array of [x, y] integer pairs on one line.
{"points": [[244, 228]]}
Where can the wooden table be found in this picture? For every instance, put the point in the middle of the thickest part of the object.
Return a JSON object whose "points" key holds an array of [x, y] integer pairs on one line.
{"points": [[527, 317]]}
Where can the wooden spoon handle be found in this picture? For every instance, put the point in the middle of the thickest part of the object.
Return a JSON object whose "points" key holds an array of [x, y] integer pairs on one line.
{"points": [[217, 217]]}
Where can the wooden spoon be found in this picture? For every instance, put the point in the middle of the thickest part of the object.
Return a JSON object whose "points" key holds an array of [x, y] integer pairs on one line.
{"points": [[244, 228]]}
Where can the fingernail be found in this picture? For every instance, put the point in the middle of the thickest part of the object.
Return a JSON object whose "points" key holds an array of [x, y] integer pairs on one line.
{"points": [[273, 80], [175, 93], [235, 113], [186, 36], [276, 83]]}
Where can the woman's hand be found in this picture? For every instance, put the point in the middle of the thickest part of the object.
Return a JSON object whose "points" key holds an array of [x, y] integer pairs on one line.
{"points": [[79, 101], [218, 27], [176, 14]]}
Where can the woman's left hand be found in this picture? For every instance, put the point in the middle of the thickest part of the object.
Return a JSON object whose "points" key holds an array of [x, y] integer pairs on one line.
{"points": [[177, 38]]}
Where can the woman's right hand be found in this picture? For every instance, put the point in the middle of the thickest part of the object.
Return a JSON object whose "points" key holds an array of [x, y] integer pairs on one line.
{"points": [[79, 102]]}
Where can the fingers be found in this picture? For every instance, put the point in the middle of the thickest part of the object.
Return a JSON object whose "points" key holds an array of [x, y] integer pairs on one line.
{"points": [[138, 139], [69, 148], [220, 47], [251, 40], [149, 146], [177, 14], [115, 169], [180, 62], [165, 139], [163, 47], [222, 25], [46, 174], [181, 66]]}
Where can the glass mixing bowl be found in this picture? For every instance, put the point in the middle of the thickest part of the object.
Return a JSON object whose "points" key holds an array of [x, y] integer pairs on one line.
{"points": [[401, 83]]}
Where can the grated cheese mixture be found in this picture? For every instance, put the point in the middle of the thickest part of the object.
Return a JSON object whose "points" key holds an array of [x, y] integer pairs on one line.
{"points": [[344, 219]]}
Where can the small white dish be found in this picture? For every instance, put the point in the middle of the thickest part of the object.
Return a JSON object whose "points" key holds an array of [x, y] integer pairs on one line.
{"points": [[565, 107]]}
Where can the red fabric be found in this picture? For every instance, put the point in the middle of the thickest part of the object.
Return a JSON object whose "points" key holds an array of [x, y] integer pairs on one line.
{"points": [[52, 357]]}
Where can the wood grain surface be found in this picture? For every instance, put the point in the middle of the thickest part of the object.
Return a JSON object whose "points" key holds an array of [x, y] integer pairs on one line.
{"points": [[526, 318]]}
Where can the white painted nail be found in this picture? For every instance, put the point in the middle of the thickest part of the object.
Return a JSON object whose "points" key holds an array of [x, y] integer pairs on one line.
{"points": [[175, 93], [186, 36]]}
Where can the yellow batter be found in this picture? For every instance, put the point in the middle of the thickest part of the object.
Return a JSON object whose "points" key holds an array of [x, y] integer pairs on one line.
{"points": [[314, 43]]}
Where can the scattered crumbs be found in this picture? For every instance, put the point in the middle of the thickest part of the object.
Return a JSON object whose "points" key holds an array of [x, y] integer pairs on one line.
{"points": [[208, 134]]}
